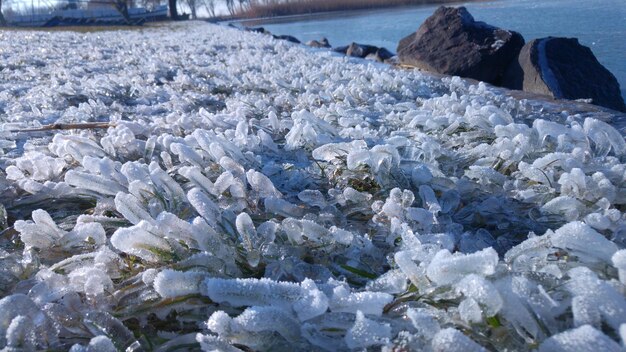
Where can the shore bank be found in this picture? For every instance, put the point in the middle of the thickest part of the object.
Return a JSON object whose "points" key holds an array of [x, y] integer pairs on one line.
{"points": [[303, 7], [229, 191], [259, 21]]}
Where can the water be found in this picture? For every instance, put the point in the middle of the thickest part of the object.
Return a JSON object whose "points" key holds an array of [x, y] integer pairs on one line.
{"points": [[598, 24]]}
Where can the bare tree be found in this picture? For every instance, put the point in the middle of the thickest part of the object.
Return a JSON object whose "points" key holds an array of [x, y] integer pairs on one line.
{"points": [[230, 5], [173, 11], [192, 7], [122, 7], [210, 7], [241, 5]]}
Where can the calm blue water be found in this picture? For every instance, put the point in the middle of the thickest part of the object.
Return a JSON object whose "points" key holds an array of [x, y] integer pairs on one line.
{"points": [[598, 24]]}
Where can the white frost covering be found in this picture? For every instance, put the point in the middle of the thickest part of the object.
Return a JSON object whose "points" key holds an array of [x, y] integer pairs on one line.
{"points": [[255, 319], [584, 339], [365, 302], [170, 283], [366, 333], [305, 300], [481, 291], [43, 233], [97, 344], [452, 340], [214, 344], [252, 194], [141, 240], [577, 237], [619, 261], [446, 268]]}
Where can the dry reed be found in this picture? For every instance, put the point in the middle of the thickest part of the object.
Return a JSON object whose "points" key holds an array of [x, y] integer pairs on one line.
{"points": [[272, 8]]}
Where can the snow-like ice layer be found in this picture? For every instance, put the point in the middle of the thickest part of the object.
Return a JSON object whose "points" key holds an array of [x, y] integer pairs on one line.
{"points": [[584, 338], [254, 194], [366, 333], [305, 300], [453, 340], [97, 344], [446, 268]]}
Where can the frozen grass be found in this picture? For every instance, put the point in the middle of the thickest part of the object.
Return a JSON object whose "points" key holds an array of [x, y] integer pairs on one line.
{"points": [[78, 29], [251, 194]]}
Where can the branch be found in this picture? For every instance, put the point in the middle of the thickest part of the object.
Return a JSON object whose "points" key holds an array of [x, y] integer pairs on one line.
{"points": [[69, 126]]}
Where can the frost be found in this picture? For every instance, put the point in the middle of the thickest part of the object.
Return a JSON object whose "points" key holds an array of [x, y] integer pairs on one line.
{"points": [[23, 324], [141, 240], [446, 268], [584, 338], [470, 311], [250, 194], [605, 137], [366, 333], [452, 340], [255, 319], [423, 321], [598, 294], [97, 344], [313, 198], [619, 261], [170, 283], [204, 206], [305, 299], [282, 207], [92, 281], [482, 293], [195, 175], [366, 302], [262, 184], [95, 183], [43, 233], [75, 146], [583, 240], [39, 166], [210, 343], [18, 332]]}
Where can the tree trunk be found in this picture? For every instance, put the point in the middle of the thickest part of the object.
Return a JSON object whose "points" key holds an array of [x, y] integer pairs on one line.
{"points": [[192, 7], [122, 7], [3, 22], [173, 11]]}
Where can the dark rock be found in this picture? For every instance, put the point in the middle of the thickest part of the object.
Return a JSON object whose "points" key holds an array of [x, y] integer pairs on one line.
{"points": [[341, 49], [323, 43], [257, 30], [363, 51], [381, 55], [287, 38], [451, 42], [564, 69], [360, 50]]}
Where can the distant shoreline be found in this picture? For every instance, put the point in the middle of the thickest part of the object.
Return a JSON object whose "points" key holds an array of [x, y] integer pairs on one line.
{"points": [[295, 10]]}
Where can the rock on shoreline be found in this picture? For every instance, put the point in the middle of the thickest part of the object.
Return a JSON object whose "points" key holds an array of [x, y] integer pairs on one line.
{"points": [[451, 42], [564, 69]]}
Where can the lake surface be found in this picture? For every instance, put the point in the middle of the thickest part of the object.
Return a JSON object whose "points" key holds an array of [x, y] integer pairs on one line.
{"points": [[598, 24]]}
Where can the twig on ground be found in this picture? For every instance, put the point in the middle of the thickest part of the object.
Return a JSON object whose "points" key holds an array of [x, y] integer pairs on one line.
{"points": [[68, 126]]}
